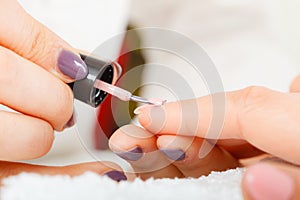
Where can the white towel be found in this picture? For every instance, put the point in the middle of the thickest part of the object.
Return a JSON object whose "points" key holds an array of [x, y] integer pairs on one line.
{"points": [[28, 186]]}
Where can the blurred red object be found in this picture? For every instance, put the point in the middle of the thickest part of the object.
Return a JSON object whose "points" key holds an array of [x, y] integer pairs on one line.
{"points": [[106, 125]]}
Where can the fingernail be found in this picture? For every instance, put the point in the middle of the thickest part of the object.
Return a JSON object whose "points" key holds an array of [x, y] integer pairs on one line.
{"points": [[156, 102], [139, 109], [152, 117], [71, 121], [71, 65], [263, 182], [116, 175], [176, 155], [132, 155], [143, 117]]}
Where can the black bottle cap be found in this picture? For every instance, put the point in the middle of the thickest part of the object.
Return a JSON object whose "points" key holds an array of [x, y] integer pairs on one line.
{"points": [[103, 70]]}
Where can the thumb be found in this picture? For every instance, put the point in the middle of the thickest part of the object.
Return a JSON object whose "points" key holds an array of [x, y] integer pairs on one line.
{"points": [[30, 39], [271, 181]]}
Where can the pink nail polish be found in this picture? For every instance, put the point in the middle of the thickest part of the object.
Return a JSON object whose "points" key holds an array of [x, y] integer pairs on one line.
{"points": [[155, 101], [265, 182]]}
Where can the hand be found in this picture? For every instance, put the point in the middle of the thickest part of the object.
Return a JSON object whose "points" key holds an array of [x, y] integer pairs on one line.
{"points": [[34, 64], [257, 121], [103, 168]]}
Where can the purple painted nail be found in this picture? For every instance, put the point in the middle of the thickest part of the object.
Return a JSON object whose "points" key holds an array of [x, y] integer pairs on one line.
{"points": [[116, 175], [71, 65], [132, 155], [71, 121], [176, 155]]}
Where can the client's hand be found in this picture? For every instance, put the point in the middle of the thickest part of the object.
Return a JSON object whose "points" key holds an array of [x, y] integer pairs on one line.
{"points": [[109, 169], [257, 121]]}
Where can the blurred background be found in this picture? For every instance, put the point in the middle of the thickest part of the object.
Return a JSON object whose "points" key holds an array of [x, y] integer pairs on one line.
{"points": [[251, 42]]}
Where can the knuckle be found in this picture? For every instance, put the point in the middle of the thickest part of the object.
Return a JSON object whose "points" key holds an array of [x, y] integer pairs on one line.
{"points": [[251, 99], [38, 48], [253, 95]]}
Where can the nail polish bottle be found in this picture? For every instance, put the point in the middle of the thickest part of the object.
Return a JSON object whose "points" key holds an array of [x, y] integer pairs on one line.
{"points": [[98, 68], [85, 92]]}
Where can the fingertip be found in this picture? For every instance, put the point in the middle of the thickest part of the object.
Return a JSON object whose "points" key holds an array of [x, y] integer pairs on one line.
{"points": [[64, 115], [71, 121], [153, 118], [71, 65], [133, 154], [174, 147], [167, 141], [264, 181], [116, 175], [45, 144], [129, 137], [39, 144], [144, 117], [295, 85], [139, 110]]}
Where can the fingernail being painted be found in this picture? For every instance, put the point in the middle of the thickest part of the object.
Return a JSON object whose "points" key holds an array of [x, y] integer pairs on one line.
{"points": [[156, 102]]}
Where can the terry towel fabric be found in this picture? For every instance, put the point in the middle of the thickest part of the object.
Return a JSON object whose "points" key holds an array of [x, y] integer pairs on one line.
{"points": [[217, 185]]}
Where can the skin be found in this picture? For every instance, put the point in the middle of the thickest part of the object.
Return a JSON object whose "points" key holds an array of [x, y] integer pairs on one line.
{"points": [[259, 123], [28, 68]]}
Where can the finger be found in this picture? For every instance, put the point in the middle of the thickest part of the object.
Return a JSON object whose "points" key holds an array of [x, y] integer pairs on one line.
{"points": [[185, 153], [23, 137], [267, 119], [190, 117], [239, 148], [33, 91], [30, 39], [295, 86], [138, 147], [271, 181], [104, 168]]}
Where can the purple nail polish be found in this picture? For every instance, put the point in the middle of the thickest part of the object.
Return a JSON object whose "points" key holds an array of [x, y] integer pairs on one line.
{"points": [[71, 121], [176, 155], [71, 65], [116, 175], [132, 155]]}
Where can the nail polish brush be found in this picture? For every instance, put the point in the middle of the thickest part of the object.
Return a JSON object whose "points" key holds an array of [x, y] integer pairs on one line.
{"points": [[100, 81], [125, 95]]}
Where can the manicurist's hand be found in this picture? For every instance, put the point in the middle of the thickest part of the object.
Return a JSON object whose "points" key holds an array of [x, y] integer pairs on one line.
{"points": [[257, 121], [34, 66]]}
